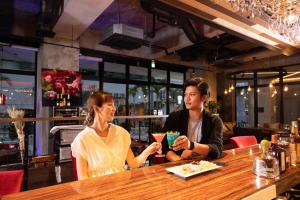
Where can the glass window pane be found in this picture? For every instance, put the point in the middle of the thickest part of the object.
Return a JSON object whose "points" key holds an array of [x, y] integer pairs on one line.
{"points": [[176, 78], [19, 92], [158, 76], [175, 99], [17, 59], [291, 99], [138, 100], [158, 100], [119, 93], [267, 107], [138, 73], [139, 129], [88, 67], [138, 105], [114, 70], [244, 105], [88, 87]]}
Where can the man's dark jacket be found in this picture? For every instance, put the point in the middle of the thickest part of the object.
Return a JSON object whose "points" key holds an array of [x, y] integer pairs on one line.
{"points": [[212, 131]]}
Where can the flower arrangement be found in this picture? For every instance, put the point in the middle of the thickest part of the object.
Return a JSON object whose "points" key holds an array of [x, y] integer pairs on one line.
{"points": [[60, 82], [19, 126]]}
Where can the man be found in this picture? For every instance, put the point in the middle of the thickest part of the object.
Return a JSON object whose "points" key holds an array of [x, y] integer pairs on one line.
{"points": [[201, 133]]}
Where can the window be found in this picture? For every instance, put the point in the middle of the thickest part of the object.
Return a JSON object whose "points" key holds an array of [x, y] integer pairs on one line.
{"points": [[89, 68], [176, 78], [138, 73], [138, 105], [158, 100], [88, 87], [19, 92], [17, 58], [158, 76], [175, 99], [114, 70]]}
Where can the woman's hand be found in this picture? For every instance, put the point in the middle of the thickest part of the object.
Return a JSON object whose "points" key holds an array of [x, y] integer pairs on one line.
{"points": [[182, 142], [153, 148]]}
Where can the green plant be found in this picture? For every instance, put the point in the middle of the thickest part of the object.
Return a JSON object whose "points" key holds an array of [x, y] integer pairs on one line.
{"points": [[213, 107]]}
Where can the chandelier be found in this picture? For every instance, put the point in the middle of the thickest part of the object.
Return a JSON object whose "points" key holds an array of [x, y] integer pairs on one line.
{"points": [[282, 16]]}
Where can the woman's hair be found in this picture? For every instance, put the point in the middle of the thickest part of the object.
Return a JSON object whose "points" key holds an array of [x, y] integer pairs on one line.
{"points": [[198, 82], [98, 99]]}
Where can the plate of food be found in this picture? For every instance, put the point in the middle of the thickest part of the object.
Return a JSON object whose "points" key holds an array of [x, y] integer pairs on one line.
{"points": [[193, 168]]}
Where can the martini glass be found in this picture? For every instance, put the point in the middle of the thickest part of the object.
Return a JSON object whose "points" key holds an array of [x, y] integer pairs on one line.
{"points": [[159, 158]]}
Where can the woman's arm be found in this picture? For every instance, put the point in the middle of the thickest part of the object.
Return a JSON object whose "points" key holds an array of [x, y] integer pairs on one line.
{"points": [[82, 168], [172, 156], [140, 159]]}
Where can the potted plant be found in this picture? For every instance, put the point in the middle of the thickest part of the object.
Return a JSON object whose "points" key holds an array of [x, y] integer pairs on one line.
{"points": [[213, 107]]}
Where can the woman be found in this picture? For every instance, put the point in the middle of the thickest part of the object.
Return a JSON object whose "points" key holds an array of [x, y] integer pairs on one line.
{"points": [[201, 133], [102, 148]]}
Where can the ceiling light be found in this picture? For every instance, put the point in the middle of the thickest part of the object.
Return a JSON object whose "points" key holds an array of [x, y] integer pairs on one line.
{"points": [[258, 90], [152, 63], [270, 85], [282, 16], [249, 89], [286, 88], [225, 92]]}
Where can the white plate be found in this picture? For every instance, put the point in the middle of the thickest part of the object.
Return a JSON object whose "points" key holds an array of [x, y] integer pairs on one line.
{"points": [[178, 170]]}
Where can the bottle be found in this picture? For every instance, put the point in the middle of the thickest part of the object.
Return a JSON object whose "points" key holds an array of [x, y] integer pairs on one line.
{"points": [[279, 153], [57, 100], [297, 147], [284, 140], [68, 100]]}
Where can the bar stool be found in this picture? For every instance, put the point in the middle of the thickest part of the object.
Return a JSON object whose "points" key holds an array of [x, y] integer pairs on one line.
{"points": [[74, 167], [243, 141], [11, 181]]}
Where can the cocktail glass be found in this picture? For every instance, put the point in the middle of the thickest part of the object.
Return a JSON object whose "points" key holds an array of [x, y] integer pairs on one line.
{"points": [[159, 138], [171, 137]]}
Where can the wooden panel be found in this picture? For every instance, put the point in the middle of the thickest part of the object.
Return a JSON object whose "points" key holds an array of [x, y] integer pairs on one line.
{"points": [[233, 181]]}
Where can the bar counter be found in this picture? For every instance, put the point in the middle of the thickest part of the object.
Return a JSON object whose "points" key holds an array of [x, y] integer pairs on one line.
{"points": [[234, 180]]}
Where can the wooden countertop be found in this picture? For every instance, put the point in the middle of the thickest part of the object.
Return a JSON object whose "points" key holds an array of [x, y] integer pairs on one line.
{"points": [[233, 181]]}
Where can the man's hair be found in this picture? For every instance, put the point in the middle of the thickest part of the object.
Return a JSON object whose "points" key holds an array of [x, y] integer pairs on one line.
{"points": [[198, 82]]}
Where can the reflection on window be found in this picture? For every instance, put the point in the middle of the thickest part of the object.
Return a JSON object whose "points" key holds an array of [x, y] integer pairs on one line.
{"points": [[138, 73], [175, 99], [114, 70], [158, 100], [138, 100], [158, 76], [119, 93], [291, 99], [19, 92], [244, 105], [88, 67], [176, 78], [17, 59], [138, 105], [268, 112], [88, 87]]}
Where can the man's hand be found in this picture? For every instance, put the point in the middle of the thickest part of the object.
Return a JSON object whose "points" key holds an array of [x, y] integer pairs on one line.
{"points": [[182, 142]]}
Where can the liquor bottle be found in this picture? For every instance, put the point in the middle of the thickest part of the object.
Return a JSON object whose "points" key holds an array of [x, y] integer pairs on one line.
{"points": [[297, 144], [284, 140], [57, 100], [68, 100], [279, 153]]}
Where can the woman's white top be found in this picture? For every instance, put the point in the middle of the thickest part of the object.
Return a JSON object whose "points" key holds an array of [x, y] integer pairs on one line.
{"points": [[104, 155]]}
